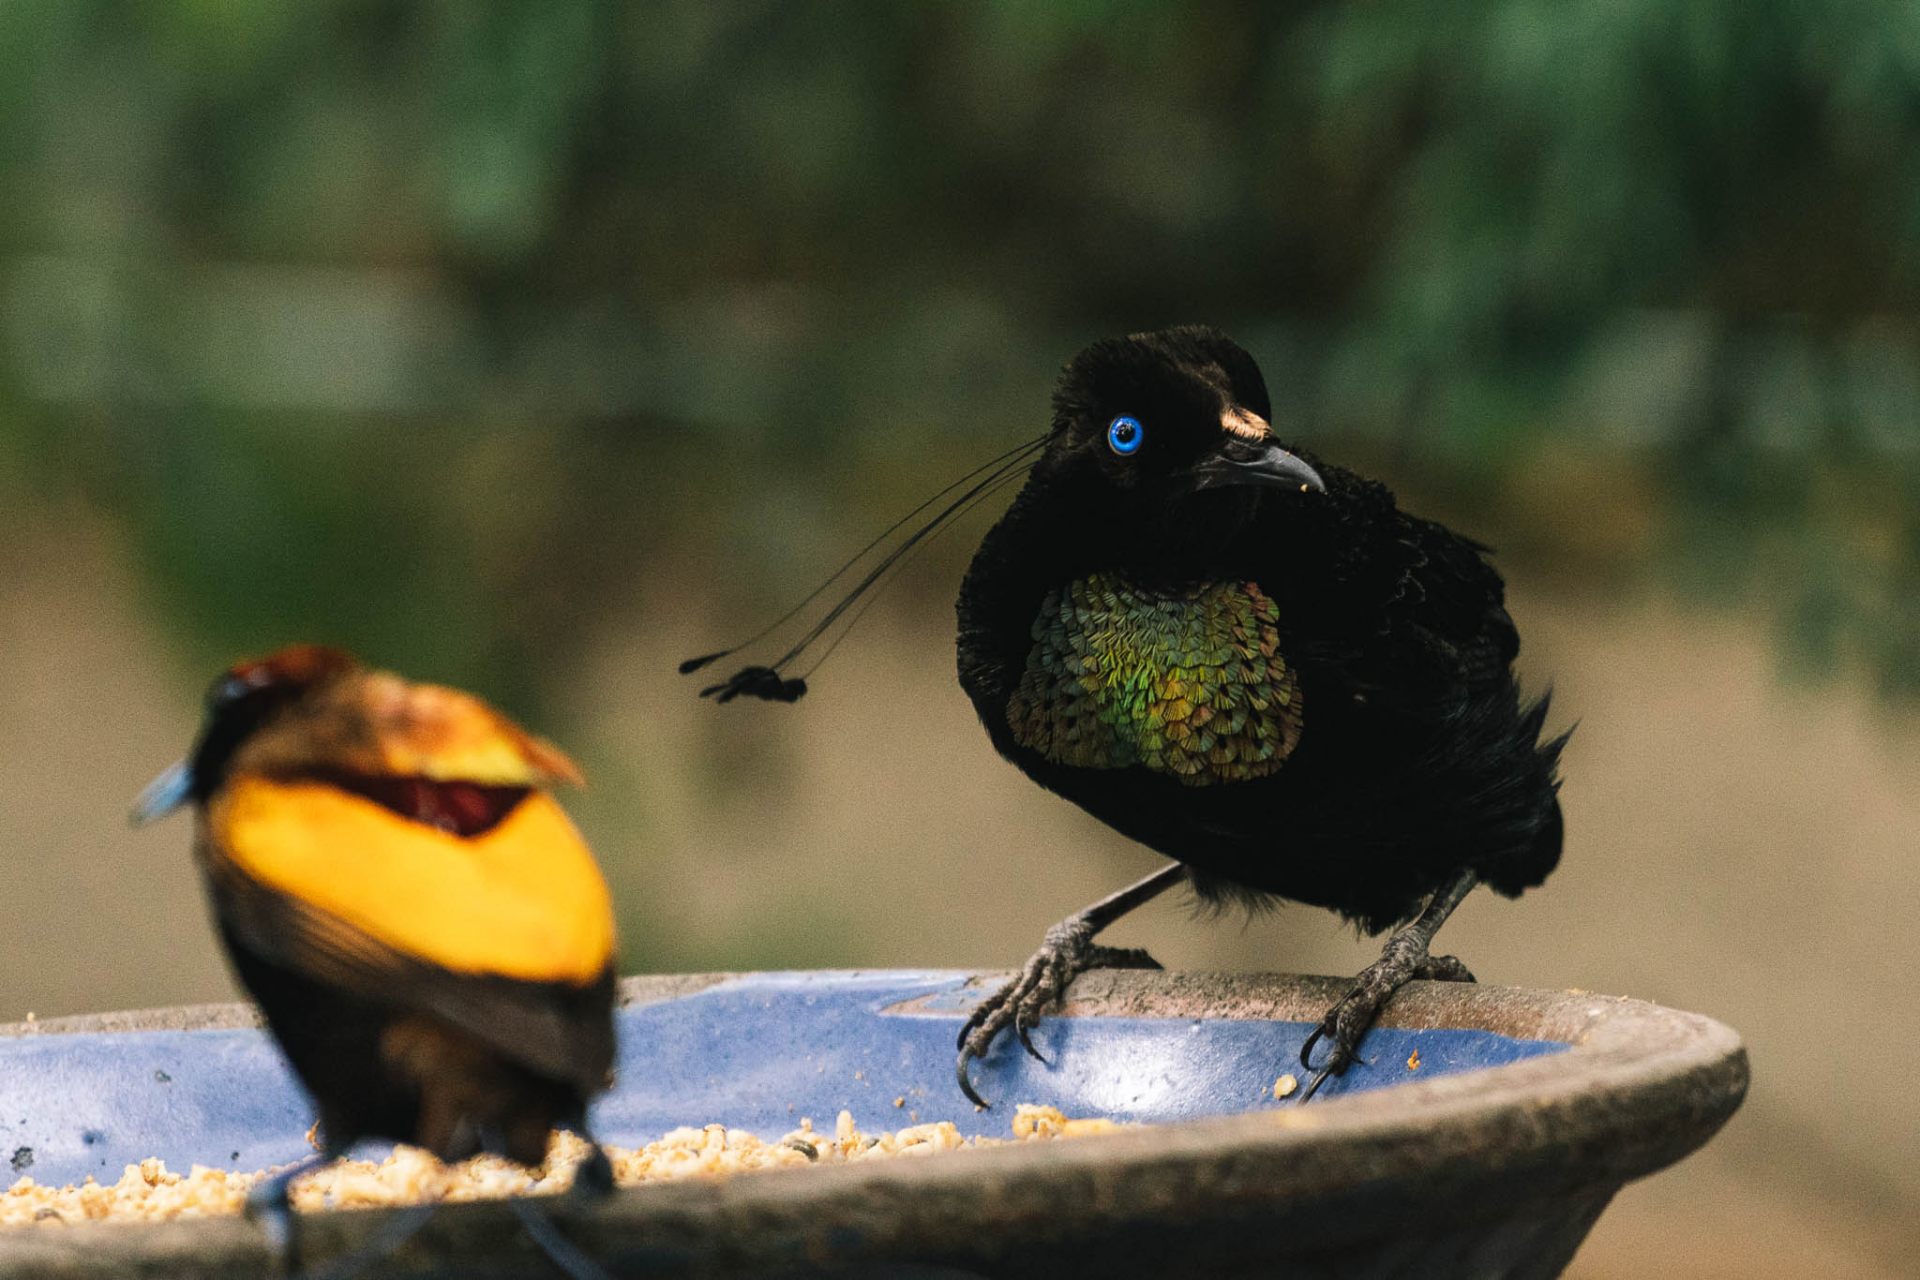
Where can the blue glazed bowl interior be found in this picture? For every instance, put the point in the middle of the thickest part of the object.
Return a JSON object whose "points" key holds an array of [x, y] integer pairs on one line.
{"points": [[758, 1052]]}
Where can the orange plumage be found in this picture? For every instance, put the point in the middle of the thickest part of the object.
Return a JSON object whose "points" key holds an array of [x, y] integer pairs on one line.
{"points": [[428, 936]]}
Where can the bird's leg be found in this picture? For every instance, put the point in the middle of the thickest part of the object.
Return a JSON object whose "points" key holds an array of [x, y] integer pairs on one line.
{"points": [[401, 1226], [270, 1204], [1404, 958], [1067, 952], [562, 1252], [595, 1174]]}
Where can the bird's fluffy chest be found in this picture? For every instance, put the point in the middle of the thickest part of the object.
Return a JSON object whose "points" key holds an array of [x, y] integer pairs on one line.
{"points": [[1186, 681]]}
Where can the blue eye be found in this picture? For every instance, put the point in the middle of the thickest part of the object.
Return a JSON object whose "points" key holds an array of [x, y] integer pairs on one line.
{"points": [[1124, 435]]}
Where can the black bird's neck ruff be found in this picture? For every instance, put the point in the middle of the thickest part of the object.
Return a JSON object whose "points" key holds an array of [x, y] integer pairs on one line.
{"points": [[1069, 523], [882, 558]]}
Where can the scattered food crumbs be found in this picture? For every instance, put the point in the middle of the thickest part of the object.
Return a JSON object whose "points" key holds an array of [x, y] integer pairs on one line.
{"points": [[149, 1191], [1413, 1060], [1030, 1121], [859, 1075], [1284, 1087], [900, 1101]]}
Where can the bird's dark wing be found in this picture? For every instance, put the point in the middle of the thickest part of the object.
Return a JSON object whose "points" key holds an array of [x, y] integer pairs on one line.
{"points": [[560, 1030], [1410, 614], [1452, 603]]}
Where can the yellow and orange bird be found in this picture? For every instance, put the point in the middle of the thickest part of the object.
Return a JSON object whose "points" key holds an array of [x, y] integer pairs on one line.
{"points": [[429, 938]]}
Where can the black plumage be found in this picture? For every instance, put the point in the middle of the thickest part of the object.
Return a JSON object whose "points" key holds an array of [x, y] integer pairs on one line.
{"points": [[1417, 756], [1343, 728]]}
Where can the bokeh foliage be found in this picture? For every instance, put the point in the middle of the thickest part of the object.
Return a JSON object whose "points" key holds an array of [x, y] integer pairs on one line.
{"points": [[437, 328]]}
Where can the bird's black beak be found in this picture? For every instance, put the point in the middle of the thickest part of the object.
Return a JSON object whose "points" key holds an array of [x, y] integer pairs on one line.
{"points": [[163, 795], [1241, 460]]}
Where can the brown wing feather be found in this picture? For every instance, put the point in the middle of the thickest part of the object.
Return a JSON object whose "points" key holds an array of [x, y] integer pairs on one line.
{"points": [[559, 1030]]}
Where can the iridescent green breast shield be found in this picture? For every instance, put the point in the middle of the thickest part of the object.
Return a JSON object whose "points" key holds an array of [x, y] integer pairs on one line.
{"points": [[1186, 681]]}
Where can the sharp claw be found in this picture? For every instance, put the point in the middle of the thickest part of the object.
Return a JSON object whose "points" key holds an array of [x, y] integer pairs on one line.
{"points": [[976, 1037], [1371, 991], [1338, 1059], [1020, 1028], [974, 1019], [1042, 982], [966, 1085], [1306, 1050], [977, 1019]]}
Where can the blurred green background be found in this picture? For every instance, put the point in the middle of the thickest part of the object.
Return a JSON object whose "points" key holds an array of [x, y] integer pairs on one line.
{"points": [[534, 346]]}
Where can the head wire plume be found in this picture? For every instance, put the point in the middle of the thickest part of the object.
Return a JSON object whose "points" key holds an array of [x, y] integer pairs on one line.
{"points": [[770, 682]]}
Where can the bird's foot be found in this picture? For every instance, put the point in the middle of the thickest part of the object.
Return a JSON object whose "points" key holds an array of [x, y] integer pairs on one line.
{"points": [[569, 1257], [401, 1226], [1068, 951], [1401, 961], [593, 1176], [270, 1206]]}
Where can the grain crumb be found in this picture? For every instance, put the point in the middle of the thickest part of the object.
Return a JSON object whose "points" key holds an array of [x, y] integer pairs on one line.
{"points": [[1284, 1087], [151, 1192]]}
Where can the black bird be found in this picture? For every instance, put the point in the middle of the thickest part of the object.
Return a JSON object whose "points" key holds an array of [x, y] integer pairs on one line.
{"points": [[1250, 661]]}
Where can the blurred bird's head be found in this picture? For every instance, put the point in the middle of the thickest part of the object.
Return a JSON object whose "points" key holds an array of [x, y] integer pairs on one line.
{"points": [[311, 712], [1163, 439]]}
